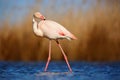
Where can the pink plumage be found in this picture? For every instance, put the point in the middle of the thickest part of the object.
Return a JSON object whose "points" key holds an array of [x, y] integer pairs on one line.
{"points": [[53, 31]]}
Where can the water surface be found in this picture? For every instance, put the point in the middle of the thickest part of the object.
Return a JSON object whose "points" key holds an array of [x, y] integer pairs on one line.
{"points": [[59, 71]]}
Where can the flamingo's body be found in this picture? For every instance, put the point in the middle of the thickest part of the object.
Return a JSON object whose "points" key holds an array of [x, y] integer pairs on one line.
{"points": [[52, 31]]}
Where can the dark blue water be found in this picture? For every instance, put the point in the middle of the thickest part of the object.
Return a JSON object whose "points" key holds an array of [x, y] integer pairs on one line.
{"points": [[59, 71]]}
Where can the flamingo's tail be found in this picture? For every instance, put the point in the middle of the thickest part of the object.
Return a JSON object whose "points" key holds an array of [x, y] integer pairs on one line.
{"points": [[73, 37]]}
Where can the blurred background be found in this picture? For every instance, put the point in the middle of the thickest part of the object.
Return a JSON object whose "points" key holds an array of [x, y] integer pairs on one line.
{"points": [[96, 24]]}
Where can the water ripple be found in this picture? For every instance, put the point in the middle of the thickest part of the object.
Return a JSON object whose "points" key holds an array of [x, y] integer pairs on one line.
{"points": [[59, 71]]}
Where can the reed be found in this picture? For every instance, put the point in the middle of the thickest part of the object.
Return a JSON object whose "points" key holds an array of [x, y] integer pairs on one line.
{"points": [[97, 30]]}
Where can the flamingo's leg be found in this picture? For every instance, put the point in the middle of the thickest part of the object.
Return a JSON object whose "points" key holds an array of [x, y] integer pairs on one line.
{"points": [[49, 56], [65, 57]]}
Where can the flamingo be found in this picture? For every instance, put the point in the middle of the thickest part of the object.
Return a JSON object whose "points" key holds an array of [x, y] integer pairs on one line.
{"points": [[53, 31]]}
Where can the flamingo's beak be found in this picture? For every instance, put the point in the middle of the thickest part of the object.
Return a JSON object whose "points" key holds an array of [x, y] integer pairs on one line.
{"points": [[42, 17]]}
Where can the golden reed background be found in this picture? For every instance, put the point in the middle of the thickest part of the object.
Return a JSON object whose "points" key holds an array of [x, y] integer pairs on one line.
{"points": [[97, 30]]}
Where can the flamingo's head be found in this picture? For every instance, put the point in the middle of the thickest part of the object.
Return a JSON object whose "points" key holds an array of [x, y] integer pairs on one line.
{"points": [[38, 15]]}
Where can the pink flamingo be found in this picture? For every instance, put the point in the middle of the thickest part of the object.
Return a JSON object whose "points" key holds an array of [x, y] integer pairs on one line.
{"points": [[53, 31]]}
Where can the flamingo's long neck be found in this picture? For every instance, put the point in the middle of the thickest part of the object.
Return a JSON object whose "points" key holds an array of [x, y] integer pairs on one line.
{"points": [[36, 30]]}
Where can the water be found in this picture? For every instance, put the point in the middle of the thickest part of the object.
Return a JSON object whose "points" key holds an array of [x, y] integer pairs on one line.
{"points": [[59, 71]]}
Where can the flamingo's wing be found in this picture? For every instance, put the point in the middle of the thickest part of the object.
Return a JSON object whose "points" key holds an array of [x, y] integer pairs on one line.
{"points": [[54, 30]]}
